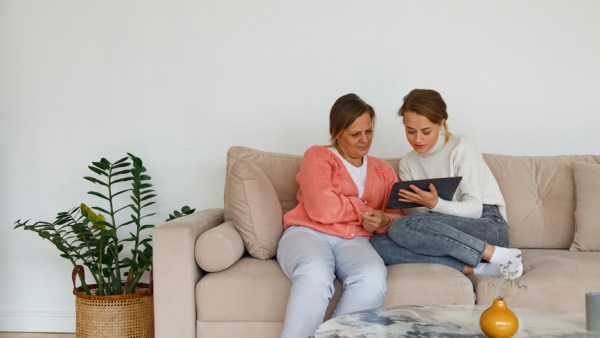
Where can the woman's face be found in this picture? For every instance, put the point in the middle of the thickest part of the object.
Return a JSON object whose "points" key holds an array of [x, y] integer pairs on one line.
{"points": [[355, 141], [421, 133]]}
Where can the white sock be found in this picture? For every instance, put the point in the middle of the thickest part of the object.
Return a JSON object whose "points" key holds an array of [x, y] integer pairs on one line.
{"points": [[509, 261], [504, 255], [487, 269], [512, 269]]}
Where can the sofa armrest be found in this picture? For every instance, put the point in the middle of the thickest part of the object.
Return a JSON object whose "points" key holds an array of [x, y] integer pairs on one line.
{"points": [[175, 272]]}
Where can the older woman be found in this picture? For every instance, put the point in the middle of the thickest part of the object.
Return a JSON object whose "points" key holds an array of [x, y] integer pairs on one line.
{"points": [[341, 204]]}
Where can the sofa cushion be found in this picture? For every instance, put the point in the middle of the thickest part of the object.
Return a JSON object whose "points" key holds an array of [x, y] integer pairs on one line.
{"points": [[254, 209], [218, 248], [251, 290], [410, 284], [553, 279], [280, 169], [587, 210], [254, 290], [540, 199]]}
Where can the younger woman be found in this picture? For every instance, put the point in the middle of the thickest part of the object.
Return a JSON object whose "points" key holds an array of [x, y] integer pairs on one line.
{"points": [[468, 233]]}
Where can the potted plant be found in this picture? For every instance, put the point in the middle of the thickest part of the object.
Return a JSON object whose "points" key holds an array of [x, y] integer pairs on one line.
{"points": [[110, 243]]}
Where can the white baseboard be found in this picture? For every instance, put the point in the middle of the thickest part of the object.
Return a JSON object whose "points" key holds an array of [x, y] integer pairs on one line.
{"points": [[37, 321]]}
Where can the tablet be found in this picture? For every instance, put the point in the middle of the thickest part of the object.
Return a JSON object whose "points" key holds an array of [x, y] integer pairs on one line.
{"points": [[445, 186]]}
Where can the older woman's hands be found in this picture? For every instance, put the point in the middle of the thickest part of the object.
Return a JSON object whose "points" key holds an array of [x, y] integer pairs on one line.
{"points": [[375, 219]]}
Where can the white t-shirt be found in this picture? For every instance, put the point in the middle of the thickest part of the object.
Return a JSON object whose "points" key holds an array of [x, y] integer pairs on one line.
{"points": [[358, 174], [457, 157]]}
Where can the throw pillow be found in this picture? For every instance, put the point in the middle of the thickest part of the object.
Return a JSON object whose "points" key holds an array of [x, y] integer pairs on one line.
{"points": [[254, 208], [587, 210], [218, 248]]}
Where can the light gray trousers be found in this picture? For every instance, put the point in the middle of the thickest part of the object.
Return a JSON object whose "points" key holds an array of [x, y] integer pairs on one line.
{"points": [[312, 260]]}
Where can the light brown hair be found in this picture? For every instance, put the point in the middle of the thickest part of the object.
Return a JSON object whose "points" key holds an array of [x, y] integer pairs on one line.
{"points": [[428, 103], [344, 112]]}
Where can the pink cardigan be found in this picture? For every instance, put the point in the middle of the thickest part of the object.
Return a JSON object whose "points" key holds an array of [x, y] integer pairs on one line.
{"points": [[328, 198]]}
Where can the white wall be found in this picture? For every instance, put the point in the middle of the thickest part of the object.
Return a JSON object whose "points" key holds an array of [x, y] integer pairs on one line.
{"points": [[178, 82]]}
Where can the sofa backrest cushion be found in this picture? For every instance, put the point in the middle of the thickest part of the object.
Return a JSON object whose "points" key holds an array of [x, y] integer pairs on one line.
{"points": [[539, 192], [540, 198], [587, 211], [259, 187]]}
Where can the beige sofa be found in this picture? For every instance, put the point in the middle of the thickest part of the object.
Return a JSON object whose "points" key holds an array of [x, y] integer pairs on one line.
{"points": [[215, 274]]}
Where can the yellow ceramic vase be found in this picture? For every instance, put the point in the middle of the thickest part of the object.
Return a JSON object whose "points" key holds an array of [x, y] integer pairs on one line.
{"points": [[498, 321]]}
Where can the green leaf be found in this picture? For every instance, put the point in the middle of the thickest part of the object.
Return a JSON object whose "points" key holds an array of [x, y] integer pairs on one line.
{"points": [[123, 207], [148, 204], [98, 194], [122, 172], [103, 164], [148, 197], [121, 165], [119, 162], [101, 210], [136, 161], [121, 192], [98, 171], [129, 222], [146, 242], [135, 199], [95, 181], [148, 215], [124, 179]]}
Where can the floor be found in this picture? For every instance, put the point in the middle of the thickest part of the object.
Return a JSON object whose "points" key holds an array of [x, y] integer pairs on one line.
{"points": [[35, 335]]}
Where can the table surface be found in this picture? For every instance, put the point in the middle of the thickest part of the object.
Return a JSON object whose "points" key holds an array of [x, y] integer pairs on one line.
{"points": [[448, 321]]}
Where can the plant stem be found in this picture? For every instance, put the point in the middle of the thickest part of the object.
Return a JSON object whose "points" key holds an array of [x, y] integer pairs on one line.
{"points": [[115, 243]]}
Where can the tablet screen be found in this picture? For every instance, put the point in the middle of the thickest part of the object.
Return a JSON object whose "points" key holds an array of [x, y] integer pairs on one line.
{"points": [[445, 186]]}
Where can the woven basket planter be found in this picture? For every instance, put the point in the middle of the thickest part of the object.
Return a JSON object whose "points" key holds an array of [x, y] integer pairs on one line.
{"points": [[129, 315]]}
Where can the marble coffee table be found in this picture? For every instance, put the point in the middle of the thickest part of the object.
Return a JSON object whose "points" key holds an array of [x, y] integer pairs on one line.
{"points": [[448, 321]]}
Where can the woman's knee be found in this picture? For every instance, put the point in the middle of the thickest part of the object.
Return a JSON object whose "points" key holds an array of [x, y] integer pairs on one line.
{"points": [[402, 229], [315, 275], [370, 279], [377, 277]]}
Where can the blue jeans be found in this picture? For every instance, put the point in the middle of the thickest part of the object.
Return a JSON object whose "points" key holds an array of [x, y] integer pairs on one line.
{"points": [[443, 239]]}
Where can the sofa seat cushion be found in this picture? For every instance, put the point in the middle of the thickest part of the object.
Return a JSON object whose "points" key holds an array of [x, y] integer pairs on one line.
{"points": [[553, 279], [250, 290], [240, 329], [255, 290], [421, 284]]}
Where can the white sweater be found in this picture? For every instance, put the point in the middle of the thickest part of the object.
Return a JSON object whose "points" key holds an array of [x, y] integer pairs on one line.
{"points": [[457, 157]]}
